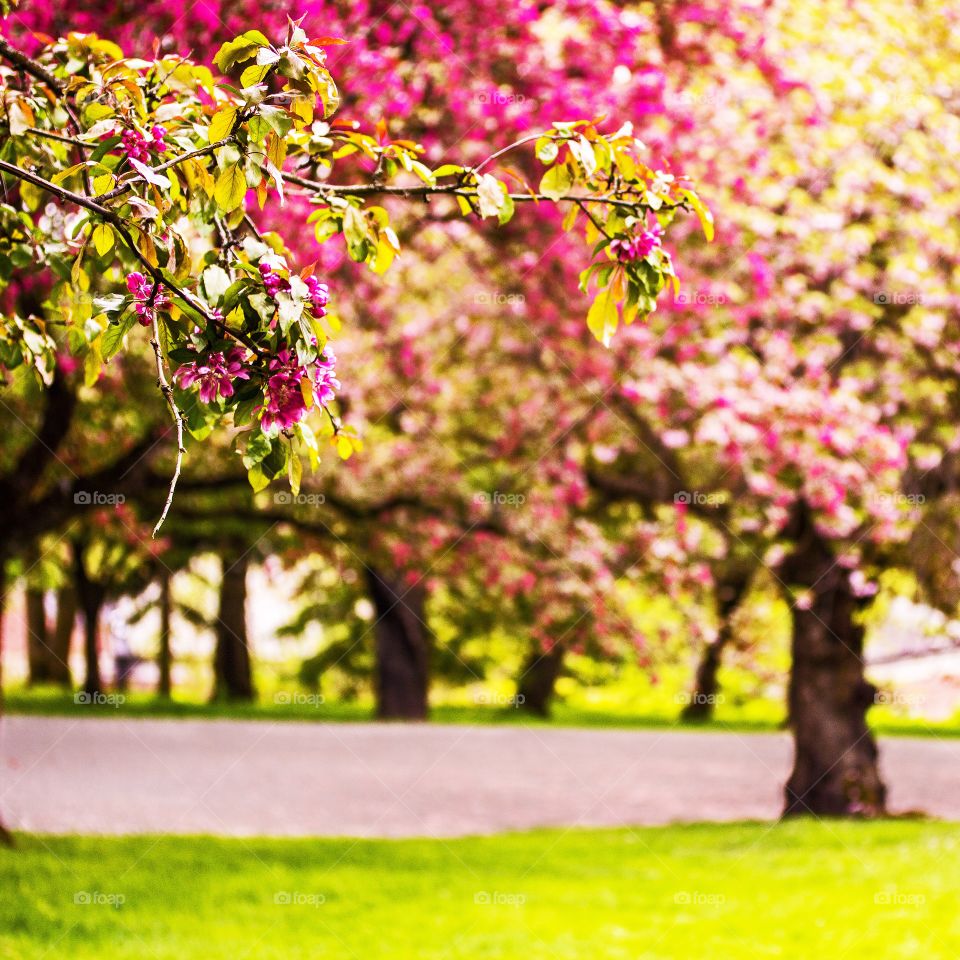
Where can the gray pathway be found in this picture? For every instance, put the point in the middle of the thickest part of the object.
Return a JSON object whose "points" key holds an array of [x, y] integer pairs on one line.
{"points": [[93, 775]]}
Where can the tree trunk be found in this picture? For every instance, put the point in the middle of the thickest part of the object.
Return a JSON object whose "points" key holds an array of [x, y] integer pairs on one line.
{"points": [[6, 838], [38, 652], [233, 677], [90, 597], [59, 640], [706, 687], [835, 770], [538, 680], [403, 647], [164, 656]]}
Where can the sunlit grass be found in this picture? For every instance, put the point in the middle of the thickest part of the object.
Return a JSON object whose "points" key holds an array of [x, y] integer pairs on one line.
{"points": [[795, 890]]}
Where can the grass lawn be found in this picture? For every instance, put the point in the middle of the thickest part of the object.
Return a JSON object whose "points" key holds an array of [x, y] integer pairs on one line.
{"points": [[756, 715], [796, 890]]}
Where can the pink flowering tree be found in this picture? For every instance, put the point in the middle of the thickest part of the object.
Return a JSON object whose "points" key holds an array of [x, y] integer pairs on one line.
{"points": [[149, 185]]}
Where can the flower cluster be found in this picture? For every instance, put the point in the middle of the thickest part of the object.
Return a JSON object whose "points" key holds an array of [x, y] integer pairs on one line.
{"points": [[137, 147], [148, 299], [289, 387], [215, 373], [319, 295], [273, 281], [637, 247]]}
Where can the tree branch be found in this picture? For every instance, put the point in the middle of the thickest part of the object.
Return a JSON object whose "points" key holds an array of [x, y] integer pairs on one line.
{"points": [[20, 60]]}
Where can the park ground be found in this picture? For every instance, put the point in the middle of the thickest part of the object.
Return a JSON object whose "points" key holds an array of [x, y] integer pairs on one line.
{"points": [[791, 890]]}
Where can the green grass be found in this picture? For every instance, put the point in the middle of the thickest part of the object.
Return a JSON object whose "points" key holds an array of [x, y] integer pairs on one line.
{"points": [[753, 716], [795, 890]]}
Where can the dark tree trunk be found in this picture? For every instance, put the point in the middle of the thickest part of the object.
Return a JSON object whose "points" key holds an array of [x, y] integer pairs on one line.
{"points": [[403, 647], [835, 770], [706, 687], [164, 656], [6, 838], [59, 640], [38, 652], [233, 676], [538, 680], [90, 597]]}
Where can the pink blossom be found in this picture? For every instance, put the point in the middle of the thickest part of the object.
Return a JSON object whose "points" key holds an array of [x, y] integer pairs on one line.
{"points": [[147, 299], [215, 373]]}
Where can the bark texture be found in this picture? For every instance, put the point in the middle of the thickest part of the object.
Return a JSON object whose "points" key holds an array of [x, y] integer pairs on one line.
{"points": [[233, 674], [539, 679], [164, 655], [836, 770], [403, 646], [731, 590]]}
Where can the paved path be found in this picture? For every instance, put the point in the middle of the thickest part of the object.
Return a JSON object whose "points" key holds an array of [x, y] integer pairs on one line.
{"points": [[95, 775]]}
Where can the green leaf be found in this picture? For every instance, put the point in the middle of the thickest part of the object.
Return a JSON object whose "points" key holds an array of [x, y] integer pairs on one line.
{"points": [[230, 189], [295, 473], [602, 316], [222, 123], [257, 479], [556, 182], [103, 239], [114, 334], [703, 214], [239, 49]]}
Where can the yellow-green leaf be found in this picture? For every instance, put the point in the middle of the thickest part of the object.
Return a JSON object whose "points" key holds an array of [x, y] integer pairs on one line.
{"points": [[704, 215], [222, 123], [556, 182], [295, 472], [602, 316], [103, 239], [230, 189]]}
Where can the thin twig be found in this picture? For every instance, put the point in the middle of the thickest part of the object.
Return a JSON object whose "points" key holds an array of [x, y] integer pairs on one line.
{"points": [[426, 190], [167, 392]]}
